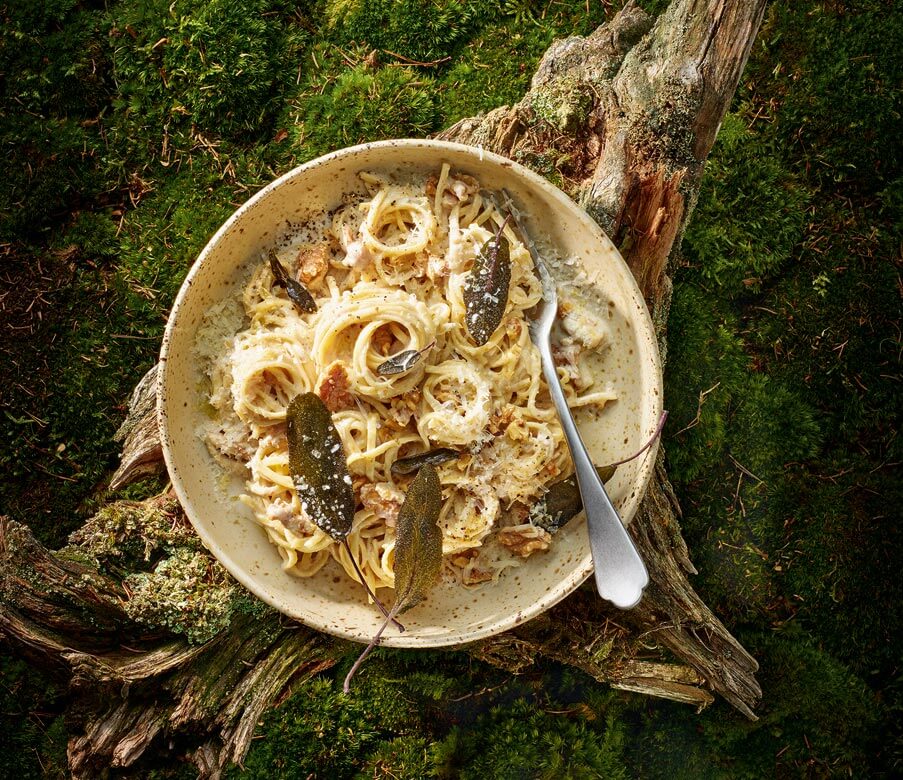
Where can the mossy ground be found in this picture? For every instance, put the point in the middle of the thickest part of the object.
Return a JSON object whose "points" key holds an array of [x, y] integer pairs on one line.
{"points": [[132, 128]]}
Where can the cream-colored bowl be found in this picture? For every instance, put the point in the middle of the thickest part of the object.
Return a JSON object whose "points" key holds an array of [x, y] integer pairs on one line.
{"points": [[330, 601]]}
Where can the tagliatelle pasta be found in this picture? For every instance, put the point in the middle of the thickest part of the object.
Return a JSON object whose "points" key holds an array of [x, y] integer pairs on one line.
{"points": [[387, 272]]}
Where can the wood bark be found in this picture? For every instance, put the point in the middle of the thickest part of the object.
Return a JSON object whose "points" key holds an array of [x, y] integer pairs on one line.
{"points": [[624, 119]]}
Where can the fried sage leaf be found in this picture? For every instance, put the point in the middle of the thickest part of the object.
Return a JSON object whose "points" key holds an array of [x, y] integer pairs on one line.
{"points": [[434, 457], [418, 540], [418, 552], [403, 361], [562, 501], [318, 467], [297, 293], [486, 288]]}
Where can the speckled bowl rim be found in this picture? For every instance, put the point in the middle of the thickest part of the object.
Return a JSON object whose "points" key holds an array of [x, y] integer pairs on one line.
{"points": [[643, 322]]}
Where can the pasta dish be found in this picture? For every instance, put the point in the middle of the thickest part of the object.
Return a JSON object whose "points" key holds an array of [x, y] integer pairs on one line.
{"points": [[387, 272]]}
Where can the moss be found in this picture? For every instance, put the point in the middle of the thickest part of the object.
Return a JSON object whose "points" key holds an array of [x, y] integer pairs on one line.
{"points": [[421, 30], [566, 107], [126, 535], [51, 171], [187, 592], [342, 106], [706, 369], [34, 733], [415, 715], [820, 715], [750, 215], [822, 66], [495, 69], [56, 51], [216, 65], [819, 722], [841, 564], [772, 427], [496, 66], [172, 581], [50, 140], [520, 740], [399, 757], [160, 240], [330, 734], [70, 363], [788, 309]]}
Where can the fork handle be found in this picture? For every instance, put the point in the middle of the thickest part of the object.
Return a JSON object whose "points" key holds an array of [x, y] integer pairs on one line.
{"points": [[620, 572]]}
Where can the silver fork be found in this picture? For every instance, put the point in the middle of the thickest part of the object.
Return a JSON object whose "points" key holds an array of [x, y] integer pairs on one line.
{"points": [[620, 572]]}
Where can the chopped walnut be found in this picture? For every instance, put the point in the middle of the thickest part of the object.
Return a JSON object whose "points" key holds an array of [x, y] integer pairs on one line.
{"points": [[402, 407], [382, 340], [551, 469], [565, 353], [284, 513], [464, 186], [516, 514], [333, 388], [516, 430], [421, 264], [583, 325], [474, 575], [430, 188], [313, 263], [513, 327], [500, 421], [524, 540], [461, 559], [231, 442], [357, 256], [437, 266], [383, 499]]}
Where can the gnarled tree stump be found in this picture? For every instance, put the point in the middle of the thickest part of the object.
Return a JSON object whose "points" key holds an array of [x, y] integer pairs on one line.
{"points": [[625, 118]]}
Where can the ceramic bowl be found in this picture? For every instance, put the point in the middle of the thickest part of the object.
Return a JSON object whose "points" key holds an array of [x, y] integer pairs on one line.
{"points": [[330, 601]]}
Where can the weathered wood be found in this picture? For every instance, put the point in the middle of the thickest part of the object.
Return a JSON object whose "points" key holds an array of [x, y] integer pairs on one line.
{"points": [[626, 118], [142, 453], [130, 683]]}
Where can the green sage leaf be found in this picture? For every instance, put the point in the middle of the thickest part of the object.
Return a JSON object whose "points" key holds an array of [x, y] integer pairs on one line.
{"points": [[561, 502], [297, 293], [418, 540], [486, 288], [403, 361], [318, 466], [432, 457]]}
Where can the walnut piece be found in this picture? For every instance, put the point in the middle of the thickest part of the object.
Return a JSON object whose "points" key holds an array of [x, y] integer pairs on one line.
{"points": [[382, 339], [474, 575], [402, 407], [313, 263], [500, 420], [383, 499], [283, 512], [524, 540], [462, 558], [333, 388]]}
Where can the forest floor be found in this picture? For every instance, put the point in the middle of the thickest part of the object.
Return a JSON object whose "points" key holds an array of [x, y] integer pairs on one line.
{"points": [[132, 129]]}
